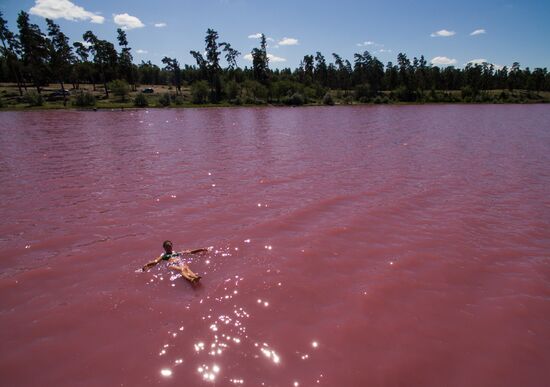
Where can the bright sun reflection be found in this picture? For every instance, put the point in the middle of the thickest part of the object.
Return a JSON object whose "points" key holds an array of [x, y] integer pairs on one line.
{"points": [[207, 374], [199, 346], [270, 354], [225, 323]]}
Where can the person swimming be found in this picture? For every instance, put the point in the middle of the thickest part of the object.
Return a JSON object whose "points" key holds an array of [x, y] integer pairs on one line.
{"points": [[175, 261]]}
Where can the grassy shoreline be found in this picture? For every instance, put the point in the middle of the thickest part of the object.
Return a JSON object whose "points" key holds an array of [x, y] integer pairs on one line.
{"points": [[10, 100]]}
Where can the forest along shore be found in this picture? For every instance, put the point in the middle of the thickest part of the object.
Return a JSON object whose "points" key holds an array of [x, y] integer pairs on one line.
{"points": [[44, 70]]}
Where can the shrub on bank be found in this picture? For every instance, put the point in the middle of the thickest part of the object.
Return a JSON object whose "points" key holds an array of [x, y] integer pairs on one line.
{"points": [[328, 100], [140, 100], [468, 93], [347, 100], [363, 93], [34, 99], [404, 94], [295, 99], [199, 92], [84, 99], [120, 88], [232, 90], [165, 100]]}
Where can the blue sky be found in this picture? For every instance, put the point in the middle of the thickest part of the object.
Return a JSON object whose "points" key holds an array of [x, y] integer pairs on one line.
{"points": [[446, 33]]}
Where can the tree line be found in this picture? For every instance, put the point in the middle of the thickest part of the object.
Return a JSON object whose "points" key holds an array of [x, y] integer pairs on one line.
{"points": [[31, 58]]}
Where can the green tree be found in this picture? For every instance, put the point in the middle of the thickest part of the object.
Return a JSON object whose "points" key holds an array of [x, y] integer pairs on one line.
{"points": [[391, 76], [260, 61], [212, 53], [34, 50], [422, 75], [359, 68], [125, 58], [61, 55], [149, 73], [343, 71], [172, 65], [201, 63], [308, 67], [514, 77], [472, 79], [538, 75], [213, 64], [10, 48], [321, 69], [82, 67], [375, 73], [404, 66], [105, 58], [230, 55]]}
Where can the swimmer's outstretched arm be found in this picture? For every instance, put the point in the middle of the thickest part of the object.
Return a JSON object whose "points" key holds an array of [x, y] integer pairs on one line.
{"points": [[196, 251], [152, 263]]}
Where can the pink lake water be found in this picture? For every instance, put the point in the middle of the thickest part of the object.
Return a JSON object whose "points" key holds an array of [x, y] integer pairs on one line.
{"points": [[351, 246]]}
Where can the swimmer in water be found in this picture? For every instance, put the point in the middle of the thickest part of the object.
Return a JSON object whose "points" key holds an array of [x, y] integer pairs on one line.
{"points": [[175, 262]]}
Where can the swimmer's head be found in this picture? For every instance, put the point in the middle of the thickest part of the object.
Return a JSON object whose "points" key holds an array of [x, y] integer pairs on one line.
{"points": [[167, 245]]}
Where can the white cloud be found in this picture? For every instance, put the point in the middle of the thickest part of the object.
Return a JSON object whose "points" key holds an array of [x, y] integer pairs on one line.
{"points": [[443, 61], [383, 50], [140, 51], [478, 32], [64, 9], [271, 57], [127, 22], [370, 43], [483, 60], [477, 61], [259, 36], [444, 33], [288, 42], [160, 25]]}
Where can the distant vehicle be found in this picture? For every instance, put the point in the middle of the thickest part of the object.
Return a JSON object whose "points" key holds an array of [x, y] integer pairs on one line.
{"points": [[148, 90], [58, 94]]}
